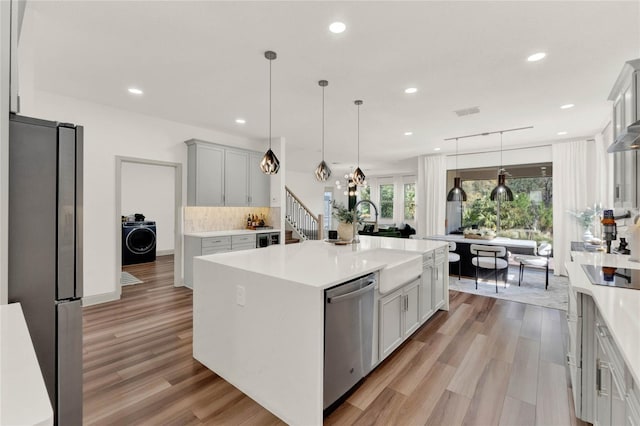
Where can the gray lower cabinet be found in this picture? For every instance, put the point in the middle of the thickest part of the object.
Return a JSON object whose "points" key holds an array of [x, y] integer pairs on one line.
{"points": [[399, 316], [198, 246], [219, 175], [440, 278]]}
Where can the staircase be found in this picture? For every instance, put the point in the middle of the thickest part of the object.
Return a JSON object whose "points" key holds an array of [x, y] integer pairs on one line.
{"points": [[289, 239], [299, 218]]}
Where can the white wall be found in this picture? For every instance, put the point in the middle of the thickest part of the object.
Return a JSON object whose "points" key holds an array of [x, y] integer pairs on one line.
{"points": [[149, 189], [308, 189], [5, 54], [110, 132]]}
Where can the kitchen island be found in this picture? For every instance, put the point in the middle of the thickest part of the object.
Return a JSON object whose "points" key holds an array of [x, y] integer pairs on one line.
{"points": [[259, 314]]}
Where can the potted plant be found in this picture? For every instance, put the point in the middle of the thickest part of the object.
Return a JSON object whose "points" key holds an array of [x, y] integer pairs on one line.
{"points": [[345, 219]]}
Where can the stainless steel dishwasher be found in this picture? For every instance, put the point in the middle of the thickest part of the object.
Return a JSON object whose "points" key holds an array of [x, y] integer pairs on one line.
{"points": [[348, 336]]}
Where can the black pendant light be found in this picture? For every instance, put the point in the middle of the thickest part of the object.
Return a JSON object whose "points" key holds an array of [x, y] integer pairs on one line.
{"points": [[358, 175], [270, 163], [457, 193], [323, 172], [501, 192]]}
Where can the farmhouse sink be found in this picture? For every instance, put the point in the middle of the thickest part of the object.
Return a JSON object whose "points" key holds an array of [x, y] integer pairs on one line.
{"points": [[401, 266]]}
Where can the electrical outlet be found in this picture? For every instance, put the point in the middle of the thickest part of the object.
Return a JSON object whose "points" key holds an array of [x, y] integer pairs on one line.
{"points": [[240, 295]]}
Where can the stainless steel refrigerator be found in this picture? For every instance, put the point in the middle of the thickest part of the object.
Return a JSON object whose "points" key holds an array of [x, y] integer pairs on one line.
{"points": [[45, 252]]}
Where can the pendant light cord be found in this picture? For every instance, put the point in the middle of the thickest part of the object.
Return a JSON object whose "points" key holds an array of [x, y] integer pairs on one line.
{"points": [[500, 171], [270, 60], [322, 123], [456, 157], [358, 135]]}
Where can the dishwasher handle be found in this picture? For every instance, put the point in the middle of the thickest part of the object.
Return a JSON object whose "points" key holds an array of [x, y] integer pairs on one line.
{"points": [[370, 286]]}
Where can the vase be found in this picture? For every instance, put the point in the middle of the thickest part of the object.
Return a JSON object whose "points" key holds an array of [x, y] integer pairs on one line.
{"points": [[345, 231], [587, 236]]}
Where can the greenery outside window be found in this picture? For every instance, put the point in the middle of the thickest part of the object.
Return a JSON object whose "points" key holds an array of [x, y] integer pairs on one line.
{"points": [[365, 208], [409, 201], [386, 201]]}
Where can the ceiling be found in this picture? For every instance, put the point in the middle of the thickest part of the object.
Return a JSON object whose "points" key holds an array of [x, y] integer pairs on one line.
{"points": [[203, 63]]}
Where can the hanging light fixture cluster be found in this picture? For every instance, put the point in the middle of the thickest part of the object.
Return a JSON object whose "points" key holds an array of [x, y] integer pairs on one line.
{"points": [[501, 192], [323, 172], [270, 163]]}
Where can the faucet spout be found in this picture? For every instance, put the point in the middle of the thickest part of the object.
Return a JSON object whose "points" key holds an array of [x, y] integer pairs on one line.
{"points": [[356, 238]]}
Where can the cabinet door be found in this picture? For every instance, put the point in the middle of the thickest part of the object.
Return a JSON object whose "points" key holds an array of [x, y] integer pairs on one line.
{"points": [[236, 178], [411, 307], [438, 286], [426, 308], [391, 313], [629, 184], [603, 387], [259, 183], [209, 179]]}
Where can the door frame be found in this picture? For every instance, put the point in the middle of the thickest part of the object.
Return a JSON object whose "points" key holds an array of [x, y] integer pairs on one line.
{"points": [[177, 238]]}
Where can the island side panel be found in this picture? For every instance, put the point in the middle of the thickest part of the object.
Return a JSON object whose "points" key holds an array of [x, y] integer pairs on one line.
{"points": [[271, 348]]}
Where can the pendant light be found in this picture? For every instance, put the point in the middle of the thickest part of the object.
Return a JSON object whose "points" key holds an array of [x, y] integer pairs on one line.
{"points": [[270, 163], [358, 175], [501, 192], [323, 172], [457, 193]]}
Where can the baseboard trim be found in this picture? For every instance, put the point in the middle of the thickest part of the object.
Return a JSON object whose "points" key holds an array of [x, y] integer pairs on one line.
{"points": [[96, 299], [164, 252]]}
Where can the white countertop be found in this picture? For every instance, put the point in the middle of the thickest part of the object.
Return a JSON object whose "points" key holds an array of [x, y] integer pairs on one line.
{"points": [[207, 234], [318, 263], [499, 241], [619, 307], [23, 396]]}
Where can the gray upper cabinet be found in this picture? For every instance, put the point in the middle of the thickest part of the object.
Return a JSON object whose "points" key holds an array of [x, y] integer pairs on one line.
{"points": [[205, 175], [259, 183], [219, 175], [236, 178], [626, 98]]}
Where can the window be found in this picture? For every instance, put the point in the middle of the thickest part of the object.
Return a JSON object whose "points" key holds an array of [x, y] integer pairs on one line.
{"points": [[528, 217], [409, 201], [386, 201], [365, 208]]}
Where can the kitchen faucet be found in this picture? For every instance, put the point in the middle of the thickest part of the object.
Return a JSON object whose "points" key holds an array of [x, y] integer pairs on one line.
{"points": [[356, 238]]}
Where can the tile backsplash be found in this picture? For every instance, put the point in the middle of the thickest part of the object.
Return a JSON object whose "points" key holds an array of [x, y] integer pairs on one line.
{"points": [[201, 219]]}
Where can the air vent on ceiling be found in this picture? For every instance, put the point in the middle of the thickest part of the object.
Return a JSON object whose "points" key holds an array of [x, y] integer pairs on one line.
{"points": [[467, 111]]}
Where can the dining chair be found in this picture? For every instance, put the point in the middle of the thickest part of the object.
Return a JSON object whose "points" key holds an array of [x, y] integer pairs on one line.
{"points": [[489, 257], [539, 261], [454, 257]]}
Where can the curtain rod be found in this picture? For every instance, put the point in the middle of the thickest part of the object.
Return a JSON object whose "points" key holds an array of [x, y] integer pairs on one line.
{"points": [[489, 133], [516, 148]]}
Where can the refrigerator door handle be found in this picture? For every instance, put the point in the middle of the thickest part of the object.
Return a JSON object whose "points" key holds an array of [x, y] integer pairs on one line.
{"points": [[79, 210], [66, 213], [69, 363]]}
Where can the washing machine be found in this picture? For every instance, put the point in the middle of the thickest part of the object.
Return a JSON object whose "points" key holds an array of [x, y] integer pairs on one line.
{"points": [[138, 242]]}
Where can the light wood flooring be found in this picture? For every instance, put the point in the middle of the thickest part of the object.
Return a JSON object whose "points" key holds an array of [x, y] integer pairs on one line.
{"points": [[485, 362]]}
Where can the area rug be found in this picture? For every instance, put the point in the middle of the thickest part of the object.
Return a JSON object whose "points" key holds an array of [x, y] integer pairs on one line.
{"points": [[531, 290], [128, 279]]}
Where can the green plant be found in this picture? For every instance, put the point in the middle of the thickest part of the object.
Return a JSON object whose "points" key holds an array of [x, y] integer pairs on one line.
{"points": [[342, 214]]}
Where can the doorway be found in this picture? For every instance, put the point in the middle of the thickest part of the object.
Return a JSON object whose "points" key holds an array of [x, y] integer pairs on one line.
{"points": [[146, 181]]}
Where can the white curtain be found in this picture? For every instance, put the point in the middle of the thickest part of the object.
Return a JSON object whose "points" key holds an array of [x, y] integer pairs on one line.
{"points": [[431, 195], [575, 187], [604, 168]]}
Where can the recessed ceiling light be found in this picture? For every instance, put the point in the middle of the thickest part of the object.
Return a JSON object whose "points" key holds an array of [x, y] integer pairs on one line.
{"points": [[337, 27], [562, 133], [408, 133], [135, 91], [240, 120], [410, 90], [567, 106], [436, 149], [536, 57]]}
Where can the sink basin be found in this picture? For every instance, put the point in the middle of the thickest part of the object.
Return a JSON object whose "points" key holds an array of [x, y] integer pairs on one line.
{"points": [[402, 267]]}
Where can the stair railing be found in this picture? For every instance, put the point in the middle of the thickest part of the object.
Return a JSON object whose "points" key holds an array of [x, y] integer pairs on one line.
{"points": [[299, 216]]}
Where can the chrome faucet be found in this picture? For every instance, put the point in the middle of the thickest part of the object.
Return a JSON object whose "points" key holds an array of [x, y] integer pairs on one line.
{"points": [[356, 238]]}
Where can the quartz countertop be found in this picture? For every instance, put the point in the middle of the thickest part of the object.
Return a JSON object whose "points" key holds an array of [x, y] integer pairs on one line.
{"points": [[619, 307], [318, 263], [206, 234], [23, 396]]}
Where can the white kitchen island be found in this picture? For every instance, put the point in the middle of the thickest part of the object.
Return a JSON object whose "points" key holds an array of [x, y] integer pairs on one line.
{"points": [[258, 315]]}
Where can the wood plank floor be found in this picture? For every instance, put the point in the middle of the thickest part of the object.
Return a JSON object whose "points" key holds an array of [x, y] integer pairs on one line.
{"points": [[485, 362]]}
